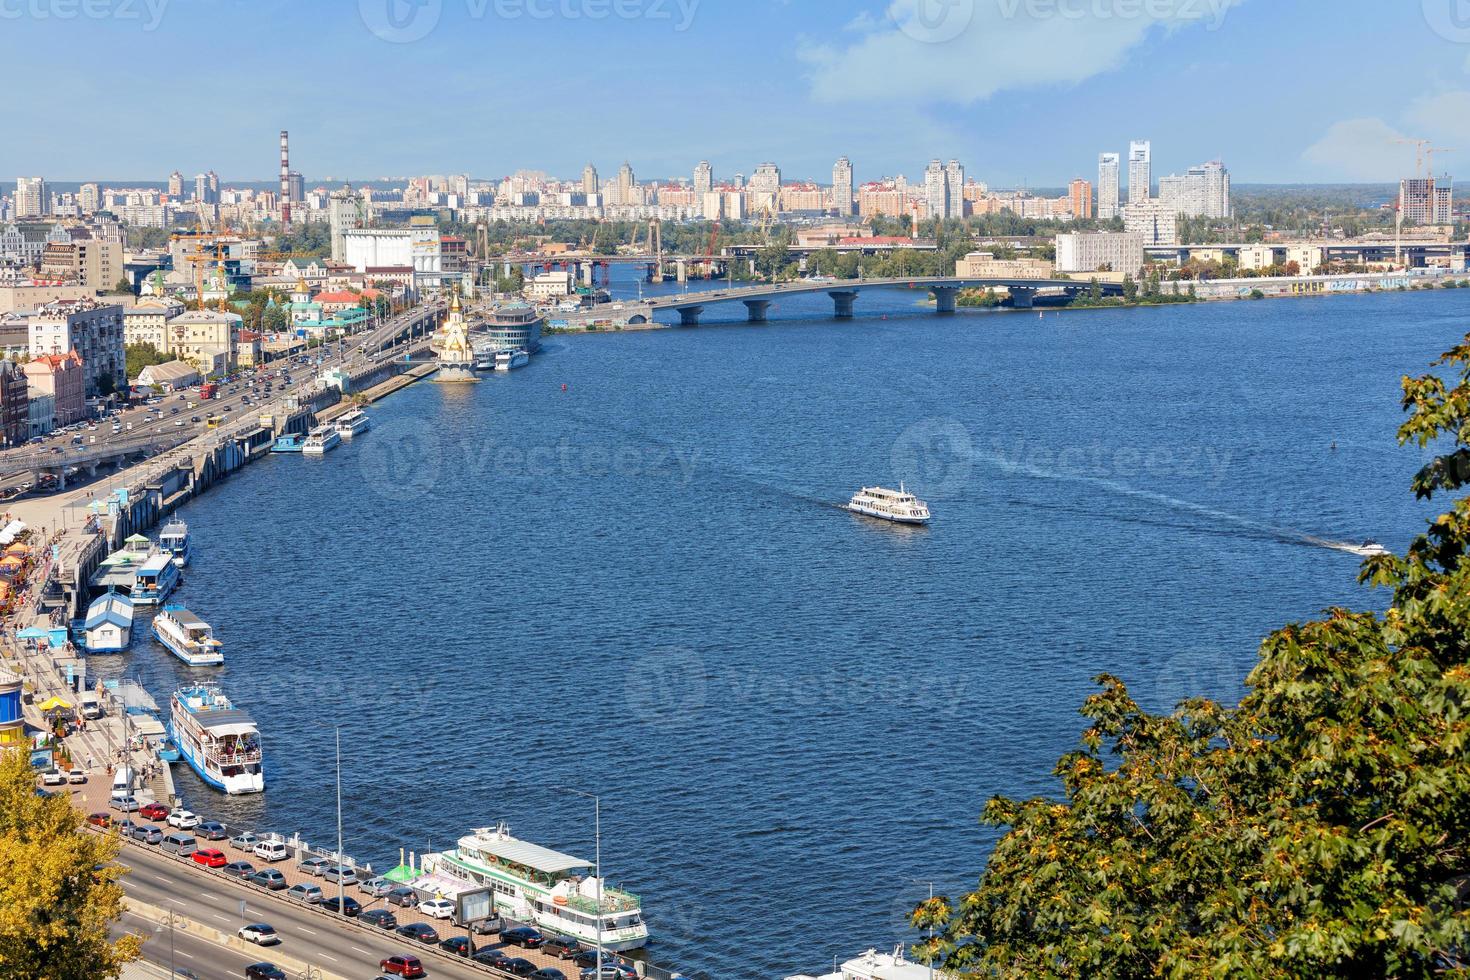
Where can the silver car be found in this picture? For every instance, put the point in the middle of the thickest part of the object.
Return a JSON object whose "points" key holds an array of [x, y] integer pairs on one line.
{"points": [[316, 867], [306, 894], [146, 833], [376, 887], [244, 842], [338, 873]]}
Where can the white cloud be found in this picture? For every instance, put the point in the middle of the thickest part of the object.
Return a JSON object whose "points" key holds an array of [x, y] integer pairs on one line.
{"points": [[1369, 148], [964, 51]]}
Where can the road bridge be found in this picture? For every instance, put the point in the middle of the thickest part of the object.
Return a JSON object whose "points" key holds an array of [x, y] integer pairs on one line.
{"points": [[844, 293]]}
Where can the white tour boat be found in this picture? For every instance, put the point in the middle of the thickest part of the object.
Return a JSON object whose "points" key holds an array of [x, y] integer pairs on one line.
{"points": [[352, 423], [898, 506], [219, 741], [155, 580], [874, 965], [322, 440], [552, 891], [174, 539], [509, 360], [187, 637]]}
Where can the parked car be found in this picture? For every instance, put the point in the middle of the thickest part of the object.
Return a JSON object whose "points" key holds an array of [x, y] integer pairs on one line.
{"points": [[561, 947], [402, 896], [305, 894], [381, 918], [610, 971], [376, 887], [211, 830], [548, 973], [239, 869], [244, 842], [610, 961], [489, 957], [458, 945], [419, 932], [486, 927], [210, 857], [350, 906], [146, 833], [270, 850], [264, 971], [437, 908], [523, 936], [518, 967], [99, 819], [404, 966], [183, 820], [337, 873], [76, 777], [153, 811], [53, 777], [269, 879], [260, 933], [314, 866]]}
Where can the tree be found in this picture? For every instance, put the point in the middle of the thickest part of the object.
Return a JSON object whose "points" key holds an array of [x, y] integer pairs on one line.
{"points": [[273, 320], [140, 356], [1319, 828], [123, 285], [1130, 289], [59, 891]]}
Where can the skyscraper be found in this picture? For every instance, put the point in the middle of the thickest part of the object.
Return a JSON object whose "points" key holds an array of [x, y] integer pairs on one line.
{"points": [[766, 179], [590, 185], [954, 189], [89, 198], [936, 189], [297, 186], [175, 186], [704, 179], [1202, 192], [1140, 171], [842, 187], [1107, 186], [1080, 193], [30, 197], [626, 185]]}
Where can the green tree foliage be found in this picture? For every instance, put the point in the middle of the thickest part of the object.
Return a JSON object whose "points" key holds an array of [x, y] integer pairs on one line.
{"points": [[59, 891], [140, 356], [273, 320], [1319, 828]]}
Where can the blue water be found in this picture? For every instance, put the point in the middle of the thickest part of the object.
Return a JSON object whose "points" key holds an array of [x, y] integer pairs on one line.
{"points": [[623, 570]]}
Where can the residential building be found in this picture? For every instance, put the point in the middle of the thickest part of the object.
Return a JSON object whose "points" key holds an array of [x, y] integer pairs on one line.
{"points": [[1079, 193], [60, 376], [842, 187], [954, 189], [205, 339], [1140, 171], [40, 410], [30, 197], [704, 180], [249, 348], [89, 198], [1255, 257], [175, 186], [556, 284], [1201, 192], [765, 180], [1100, 251], [147, 323], [1308, 258], [590, 186], [15, 407], [93, 331], [936, 189], [1427, 200], [74, 255], [1156, 222]]}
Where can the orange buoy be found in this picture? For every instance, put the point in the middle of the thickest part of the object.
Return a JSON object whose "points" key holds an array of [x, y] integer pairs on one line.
{"points": [[560, 900]]}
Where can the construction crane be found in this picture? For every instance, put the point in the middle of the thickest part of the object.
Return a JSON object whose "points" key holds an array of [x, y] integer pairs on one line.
{"points": [[1429, 156], [709, 250], [1419, 147]]}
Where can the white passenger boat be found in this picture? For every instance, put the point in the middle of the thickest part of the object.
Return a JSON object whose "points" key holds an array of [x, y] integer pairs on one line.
{"points": [[555, 892], [874, 965], [509, 360], [174, 539], [155, 580], [322, 440], [108, 627], [484, 359], [352, 423], [898, 506], [187, 637], [219, 741]]}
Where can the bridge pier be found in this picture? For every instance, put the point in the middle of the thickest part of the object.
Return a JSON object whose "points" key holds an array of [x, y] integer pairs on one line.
{"points": [[944, 298], [755, 309], [842, 303], [689, 315], [1022, 297]]}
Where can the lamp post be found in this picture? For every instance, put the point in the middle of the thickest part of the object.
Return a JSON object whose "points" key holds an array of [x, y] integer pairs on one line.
{"points": [[920, 881], [170, 918], [341, 910], [597, 861]]}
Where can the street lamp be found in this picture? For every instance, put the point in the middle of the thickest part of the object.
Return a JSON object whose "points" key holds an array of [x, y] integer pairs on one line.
{"points": [[597, 860], [169, 919], [919, 881]]}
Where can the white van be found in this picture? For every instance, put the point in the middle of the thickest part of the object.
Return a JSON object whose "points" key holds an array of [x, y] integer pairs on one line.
{"points": [[91, 707], [122, 783], [270, 850]]}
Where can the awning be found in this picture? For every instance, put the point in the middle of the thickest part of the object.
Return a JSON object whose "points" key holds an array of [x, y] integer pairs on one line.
{"points": [[52, 703], [31, 633]]}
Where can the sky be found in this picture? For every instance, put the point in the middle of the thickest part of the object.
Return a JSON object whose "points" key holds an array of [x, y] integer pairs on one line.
{"points": [[1023, 92]]}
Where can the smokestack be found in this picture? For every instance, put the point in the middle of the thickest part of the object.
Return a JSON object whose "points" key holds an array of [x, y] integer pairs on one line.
{"points": [[285, 179]]}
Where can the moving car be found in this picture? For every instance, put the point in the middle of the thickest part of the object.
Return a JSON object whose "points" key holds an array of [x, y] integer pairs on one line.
{"points": [[404, 966], [261, 934], [264, 971]]}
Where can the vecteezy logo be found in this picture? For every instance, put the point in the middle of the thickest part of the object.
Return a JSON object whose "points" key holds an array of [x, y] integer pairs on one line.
{"points": [[933, 21], [1450, 19], [935, 455], [400, 21], [404, 459], [666, 687]]}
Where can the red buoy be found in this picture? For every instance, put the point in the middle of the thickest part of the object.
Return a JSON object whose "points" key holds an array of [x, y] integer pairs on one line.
{"points": [[563, 387]]}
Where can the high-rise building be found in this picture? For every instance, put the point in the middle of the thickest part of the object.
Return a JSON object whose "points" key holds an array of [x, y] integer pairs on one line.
{"points": [[590, 185], [1201, 192], [766, 180], [1140, 171], [704, 179], [626, 185], [1155, 222], [30, 197], [175, 186], [1426, 200], [1079, 192], [936, 189], [1444, 201], [296, 186], [1107, 186], [89, 198], [345, 210], [842, 195], [954, 189]]}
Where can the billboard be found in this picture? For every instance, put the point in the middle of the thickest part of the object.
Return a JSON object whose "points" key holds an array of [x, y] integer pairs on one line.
{"points": [[474, 906]]}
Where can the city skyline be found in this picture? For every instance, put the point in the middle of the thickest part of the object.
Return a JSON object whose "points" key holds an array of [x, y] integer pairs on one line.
{"points": [[1022, 93]]}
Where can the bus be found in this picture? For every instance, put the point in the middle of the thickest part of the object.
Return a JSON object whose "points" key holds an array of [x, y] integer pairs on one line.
{"points": [[208, 390], [213, 421]]}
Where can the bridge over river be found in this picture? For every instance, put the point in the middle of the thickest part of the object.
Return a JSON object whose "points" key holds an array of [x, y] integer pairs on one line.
{"points": [[844, 293]]}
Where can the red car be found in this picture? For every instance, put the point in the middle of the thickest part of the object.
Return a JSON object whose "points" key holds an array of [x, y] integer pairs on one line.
{"points": [[100, 819], [210, 858], [407, 967], [154, 811]]}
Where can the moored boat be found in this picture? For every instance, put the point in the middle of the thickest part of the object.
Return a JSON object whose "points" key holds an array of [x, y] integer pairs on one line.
{"points": [[322, 440], [174, 539], [155, 580], [291, 442], [552, 891], [218, 740], [187, 637], [108, 627], [898, 506], [508, 360], [352, 423]]}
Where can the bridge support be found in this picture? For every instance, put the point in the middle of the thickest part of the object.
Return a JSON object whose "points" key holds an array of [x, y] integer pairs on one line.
{"points": [[944, 298], [689, 315], [1022, 297], [755, 309], [842, 303]]}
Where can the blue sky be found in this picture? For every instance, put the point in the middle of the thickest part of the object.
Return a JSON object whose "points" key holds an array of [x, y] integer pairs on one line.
{"points": [[1022, 91]]}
